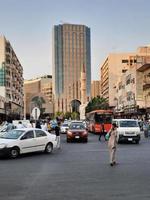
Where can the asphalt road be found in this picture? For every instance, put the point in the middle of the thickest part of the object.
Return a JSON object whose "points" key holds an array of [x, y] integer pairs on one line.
{"points": [[78, 171]]}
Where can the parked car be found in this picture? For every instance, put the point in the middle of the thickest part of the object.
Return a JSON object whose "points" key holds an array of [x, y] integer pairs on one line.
{"points": [[128, 130], [20, 141], [64, 127], [77, 131]]}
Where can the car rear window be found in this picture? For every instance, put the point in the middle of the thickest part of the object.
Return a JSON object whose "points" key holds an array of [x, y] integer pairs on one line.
{"points": [[77, 126]]}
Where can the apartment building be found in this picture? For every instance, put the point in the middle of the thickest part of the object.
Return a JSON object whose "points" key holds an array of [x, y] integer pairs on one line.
{"points": [[11, 80], [111, 70], [133, 86], [95, 89]]}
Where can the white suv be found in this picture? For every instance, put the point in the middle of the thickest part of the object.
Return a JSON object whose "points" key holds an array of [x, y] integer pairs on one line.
{"points": [[128, 130]]}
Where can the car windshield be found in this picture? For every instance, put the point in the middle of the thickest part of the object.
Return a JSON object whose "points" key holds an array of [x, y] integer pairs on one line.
{"points": [[14, 134], [128, 124], [77, 126]]}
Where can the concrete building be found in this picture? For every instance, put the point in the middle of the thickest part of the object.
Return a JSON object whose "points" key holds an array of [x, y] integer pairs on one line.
{"points": [[144, 83], [11, 80], [95, 89], [38, 93], [71, 53], [111, 70], [133, 88]]}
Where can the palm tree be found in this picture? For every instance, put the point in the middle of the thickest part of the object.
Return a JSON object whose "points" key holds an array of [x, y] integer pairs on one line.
{"points": [[97, 103], [38, 102]]}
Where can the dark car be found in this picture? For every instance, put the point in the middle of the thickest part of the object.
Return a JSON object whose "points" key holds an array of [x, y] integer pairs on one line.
{"points": [[77, 131]]}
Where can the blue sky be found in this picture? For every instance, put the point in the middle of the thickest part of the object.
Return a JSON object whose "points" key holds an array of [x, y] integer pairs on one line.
{"points": [[116, 26]]}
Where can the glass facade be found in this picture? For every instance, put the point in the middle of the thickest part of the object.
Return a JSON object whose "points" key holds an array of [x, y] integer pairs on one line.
{"points": [[72, 53]]}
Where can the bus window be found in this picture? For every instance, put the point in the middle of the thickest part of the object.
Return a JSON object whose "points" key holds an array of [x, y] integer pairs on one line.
{"points": [[99, 118], [108, 120]]}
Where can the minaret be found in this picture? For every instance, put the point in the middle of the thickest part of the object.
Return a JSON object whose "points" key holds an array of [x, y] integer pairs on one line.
{"points": [[83, 85]]}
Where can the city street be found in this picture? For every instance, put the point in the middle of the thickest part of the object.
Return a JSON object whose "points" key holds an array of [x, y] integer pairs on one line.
{"points": [[78, 171]]}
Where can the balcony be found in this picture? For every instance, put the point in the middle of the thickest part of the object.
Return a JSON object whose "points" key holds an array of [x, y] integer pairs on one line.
{"points": [[146, 86], [145, 64]]}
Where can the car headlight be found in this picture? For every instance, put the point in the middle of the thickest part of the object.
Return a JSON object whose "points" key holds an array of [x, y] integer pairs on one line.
{"points": [[3, 146], [120, 132]]}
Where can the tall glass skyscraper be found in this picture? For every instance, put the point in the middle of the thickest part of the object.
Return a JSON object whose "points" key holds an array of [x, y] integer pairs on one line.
{"points": [[71, 57]]}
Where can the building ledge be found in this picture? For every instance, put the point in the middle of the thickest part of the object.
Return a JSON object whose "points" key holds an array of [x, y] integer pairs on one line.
{"points": [[144, 67], [146, 86]]}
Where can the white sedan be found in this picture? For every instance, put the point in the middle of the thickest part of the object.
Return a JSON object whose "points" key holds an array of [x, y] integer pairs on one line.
{"points": [[20, 141]]}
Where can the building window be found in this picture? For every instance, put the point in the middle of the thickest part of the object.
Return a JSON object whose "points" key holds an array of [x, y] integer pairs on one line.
{"points": [[125, 61], [128, 79], [2, 76]]}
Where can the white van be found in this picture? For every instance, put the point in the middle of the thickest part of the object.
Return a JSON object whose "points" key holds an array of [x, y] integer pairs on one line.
{"points": [[128, 130]]}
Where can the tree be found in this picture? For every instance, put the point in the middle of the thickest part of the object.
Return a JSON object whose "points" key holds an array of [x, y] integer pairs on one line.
{"points": [[38, 102], [67, 115], [75, 115], [97, 103], [59, 114]]}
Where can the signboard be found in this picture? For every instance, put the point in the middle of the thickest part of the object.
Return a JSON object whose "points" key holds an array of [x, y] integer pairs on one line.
{"points": [[35, 113]]}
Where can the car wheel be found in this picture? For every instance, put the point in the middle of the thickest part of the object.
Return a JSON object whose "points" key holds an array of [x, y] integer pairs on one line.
{"points": [[85, 140], [49, 148], [14, 152]]}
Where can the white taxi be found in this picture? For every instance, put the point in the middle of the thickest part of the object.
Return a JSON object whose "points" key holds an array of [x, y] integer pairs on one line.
{"points": [[20, 141]]}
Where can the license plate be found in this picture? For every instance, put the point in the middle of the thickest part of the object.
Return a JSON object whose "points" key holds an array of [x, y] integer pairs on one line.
{"points": [[130, 139], [77, 136]]}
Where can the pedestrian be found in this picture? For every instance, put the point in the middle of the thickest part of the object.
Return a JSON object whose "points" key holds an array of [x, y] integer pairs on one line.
{"points": [[20, 125], [57, 132], [38, 124], [102, 133], [10, 125], [44, 126], [112, 144], [30, 124], [146, 128], [49, 126]]}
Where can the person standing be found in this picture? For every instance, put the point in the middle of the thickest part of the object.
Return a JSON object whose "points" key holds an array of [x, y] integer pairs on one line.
{"points": [[44, 126], [57, 132], [38, 124], [103, 132], [146, 128], [20, 125], [31, 124], [112, 144]]}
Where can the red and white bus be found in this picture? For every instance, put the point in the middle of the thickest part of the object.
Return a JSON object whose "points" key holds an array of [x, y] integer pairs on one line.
{"points": [[99, 121]]}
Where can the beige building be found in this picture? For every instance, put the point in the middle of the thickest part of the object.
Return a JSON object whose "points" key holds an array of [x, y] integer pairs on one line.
{"points": [[133, 86], [144, 81], [11, 80], [111, 70], [71, 66], [38, 93], [95, 89]]}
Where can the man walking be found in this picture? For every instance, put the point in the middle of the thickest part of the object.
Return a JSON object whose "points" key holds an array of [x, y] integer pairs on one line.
{"points": [[112, 144], [57, 132]]}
